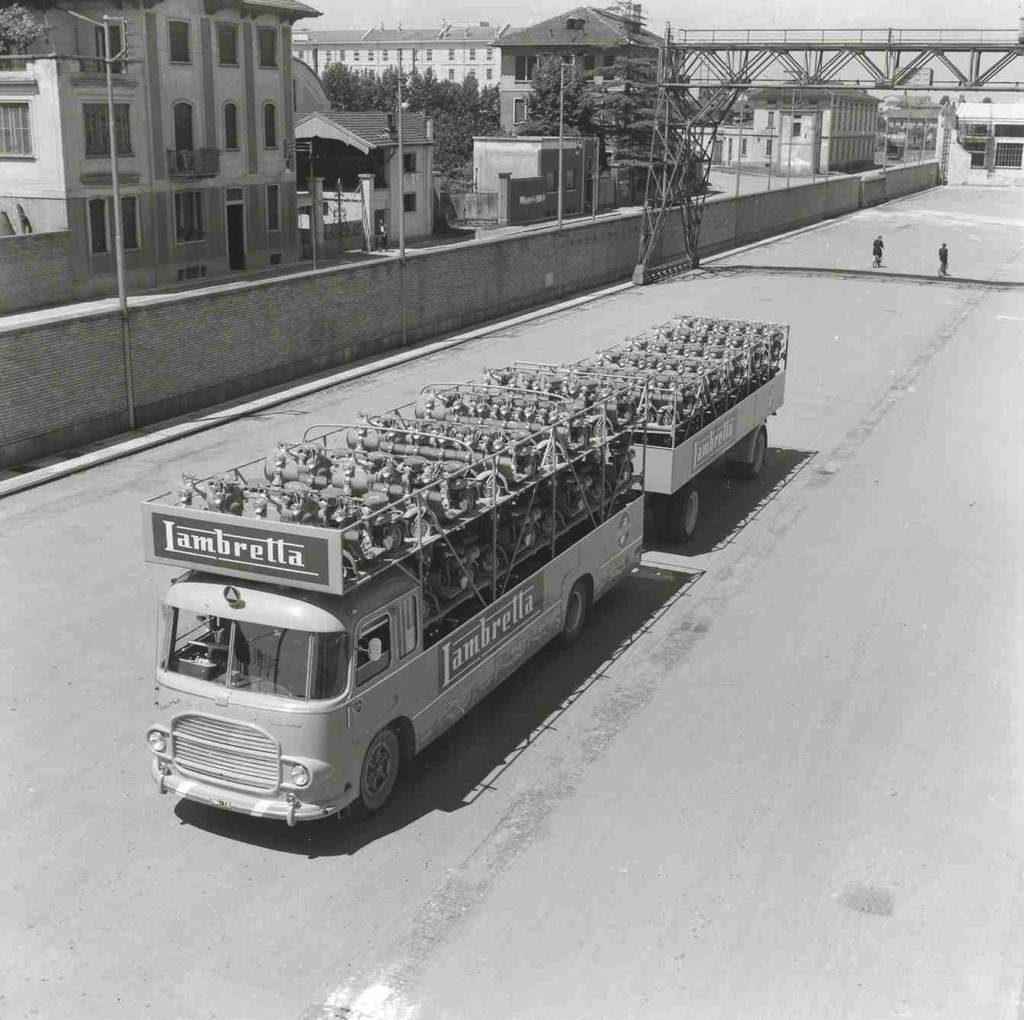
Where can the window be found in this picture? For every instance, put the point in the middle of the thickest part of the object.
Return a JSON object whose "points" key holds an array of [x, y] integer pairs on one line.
{"points": [[797, 127], [188, 216], [117, 67], [97, 129], [355, 54], [129, 222], [430, 54], [273, 208], [341, 55], [472, 54], [1010, 130], [97, 225], [230, 126], [268, 47], [451, 74], [977, 151], [269, 126], [373, 650], [183, 127], [574, 23], [743, 147], [518, 111], [489, 73], [1008, 155], [549, 181], [451, 54], [588, 62], [768, 148], [178, 33], [526, 68], [383, 54], [490, 54], [409, 202], [409, 162], [15, 130], [771, 120], [227, 45], [608, 60], [570, 178]]}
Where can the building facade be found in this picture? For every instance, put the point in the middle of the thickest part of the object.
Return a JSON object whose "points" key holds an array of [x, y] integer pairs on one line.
{"points": [[591, 38], [453, 52], [983, 143], [800, 134], [355, 154], [204, 123]]}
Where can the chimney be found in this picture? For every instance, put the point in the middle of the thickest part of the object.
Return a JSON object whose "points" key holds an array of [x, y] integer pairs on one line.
{"points": [[430, 129], [391, 123]]}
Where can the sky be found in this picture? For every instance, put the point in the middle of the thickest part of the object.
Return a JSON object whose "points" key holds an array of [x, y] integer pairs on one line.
{"points": [[691, 14]]}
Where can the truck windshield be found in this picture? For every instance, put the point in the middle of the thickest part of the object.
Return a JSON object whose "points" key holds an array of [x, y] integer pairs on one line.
{"points": [[254, 656]]}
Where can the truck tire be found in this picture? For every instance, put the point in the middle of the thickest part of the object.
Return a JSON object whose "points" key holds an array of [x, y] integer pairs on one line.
{"points": [[683, 514], [379, 772], [577, 609], [756, 466]]}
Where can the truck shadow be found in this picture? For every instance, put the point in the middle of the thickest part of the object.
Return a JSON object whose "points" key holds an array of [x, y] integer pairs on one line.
{"points": [[729, 503], [470, 759]]}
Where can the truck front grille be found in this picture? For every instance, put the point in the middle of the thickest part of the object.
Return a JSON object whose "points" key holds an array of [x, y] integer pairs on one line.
{"points": [[225, 751]]}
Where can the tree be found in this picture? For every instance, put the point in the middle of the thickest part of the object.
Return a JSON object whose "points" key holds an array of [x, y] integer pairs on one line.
{"points": [[19, 29], [625, 108], [547, 97]]}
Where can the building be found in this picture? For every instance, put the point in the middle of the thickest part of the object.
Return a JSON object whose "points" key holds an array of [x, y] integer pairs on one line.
{"points": [[984, 143], [800, 134], [454, 52], [522, 172], [588, 37], [204, 106], [355, 155]]}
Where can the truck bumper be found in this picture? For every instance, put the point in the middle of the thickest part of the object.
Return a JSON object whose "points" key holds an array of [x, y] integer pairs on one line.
{"points": [[286, 807]]}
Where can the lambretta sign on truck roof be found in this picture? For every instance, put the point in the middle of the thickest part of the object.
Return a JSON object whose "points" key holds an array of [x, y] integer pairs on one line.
{"points": [[296, 555]]}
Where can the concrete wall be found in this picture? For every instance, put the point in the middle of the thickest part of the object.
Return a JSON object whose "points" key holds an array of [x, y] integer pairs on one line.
{"points": [[63, 381], [33, 269]]}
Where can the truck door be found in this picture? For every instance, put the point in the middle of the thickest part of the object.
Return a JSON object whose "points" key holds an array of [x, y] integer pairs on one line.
{"points": [[383, 640]]}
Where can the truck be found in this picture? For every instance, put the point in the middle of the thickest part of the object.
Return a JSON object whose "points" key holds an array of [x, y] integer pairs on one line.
{"points": [[348, 597]]}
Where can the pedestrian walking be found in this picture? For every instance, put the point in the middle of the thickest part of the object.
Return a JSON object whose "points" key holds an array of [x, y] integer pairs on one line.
{"points": [[943, 260], [382, 236], [876, 251]]}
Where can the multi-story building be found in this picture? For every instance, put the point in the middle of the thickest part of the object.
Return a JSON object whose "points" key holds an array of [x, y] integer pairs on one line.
{"points": [[203, 110], [982, 143], [589, 37], [454, 52], [812, 131]]}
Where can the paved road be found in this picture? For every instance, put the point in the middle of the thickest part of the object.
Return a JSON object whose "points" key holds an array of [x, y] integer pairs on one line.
{"points": [[783, 778]]}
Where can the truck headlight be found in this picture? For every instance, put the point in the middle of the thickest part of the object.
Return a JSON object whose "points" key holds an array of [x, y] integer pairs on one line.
{"points": [[157, 741], [300, 775]]}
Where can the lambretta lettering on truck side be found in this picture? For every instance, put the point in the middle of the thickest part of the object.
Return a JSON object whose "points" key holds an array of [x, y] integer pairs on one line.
{"points": [[471, 644], [721, 435]]}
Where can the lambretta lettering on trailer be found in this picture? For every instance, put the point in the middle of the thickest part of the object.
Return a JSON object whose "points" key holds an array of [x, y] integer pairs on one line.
{"points": [[721, 435], [473, 642], [273, 556]]}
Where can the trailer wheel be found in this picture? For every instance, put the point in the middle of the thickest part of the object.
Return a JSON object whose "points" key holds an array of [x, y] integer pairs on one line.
{"points": [[577, 609], [756, 465], [684, 513], [379, 772]]}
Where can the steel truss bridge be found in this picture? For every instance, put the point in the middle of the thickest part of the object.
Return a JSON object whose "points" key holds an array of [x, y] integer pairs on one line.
{"points": [[701, 74]]}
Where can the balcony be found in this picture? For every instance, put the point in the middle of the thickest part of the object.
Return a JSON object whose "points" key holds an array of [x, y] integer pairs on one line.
{"points": [[192, 164]]}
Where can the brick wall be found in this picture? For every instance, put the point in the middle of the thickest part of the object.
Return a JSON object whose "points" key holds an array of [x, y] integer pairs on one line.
{"points": [[34, 267], [63, 381]]}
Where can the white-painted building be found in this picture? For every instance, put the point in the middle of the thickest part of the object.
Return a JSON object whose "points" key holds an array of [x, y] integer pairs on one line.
{"points": [[986, 143], [454, 52]]}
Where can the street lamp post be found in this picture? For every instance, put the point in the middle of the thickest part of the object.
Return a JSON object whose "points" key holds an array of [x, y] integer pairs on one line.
{"points": [[108, 60], [401, 205], [561, 135]]}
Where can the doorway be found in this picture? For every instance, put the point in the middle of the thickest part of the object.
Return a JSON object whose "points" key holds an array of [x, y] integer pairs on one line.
{"points": [[236, 235]]}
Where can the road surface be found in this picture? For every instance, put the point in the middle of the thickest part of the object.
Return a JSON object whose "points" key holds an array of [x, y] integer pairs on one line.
{"points": [[783, 776]]}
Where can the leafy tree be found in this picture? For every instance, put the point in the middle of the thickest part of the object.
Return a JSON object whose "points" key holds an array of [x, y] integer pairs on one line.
{"points": [[19, 29], [489, 112], [546, 97], [624, 105]]}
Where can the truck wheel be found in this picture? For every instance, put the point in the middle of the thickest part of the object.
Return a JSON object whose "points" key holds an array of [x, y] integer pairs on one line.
{"points": [[684, 514], [577, 609], [379, 772], [756, 465]]}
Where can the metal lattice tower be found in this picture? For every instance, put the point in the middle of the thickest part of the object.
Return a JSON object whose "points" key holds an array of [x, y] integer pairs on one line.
{"points": [[702, 73]]}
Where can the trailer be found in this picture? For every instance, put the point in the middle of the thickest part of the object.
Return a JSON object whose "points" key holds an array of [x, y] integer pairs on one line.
{"points": [[348, 597]]}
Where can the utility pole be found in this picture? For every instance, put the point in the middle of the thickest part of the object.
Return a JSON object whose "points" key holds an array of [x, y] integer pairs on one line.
{"points": [[109, 59], [792, 125], [401, 202], [739, 151], [561, 134]]}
